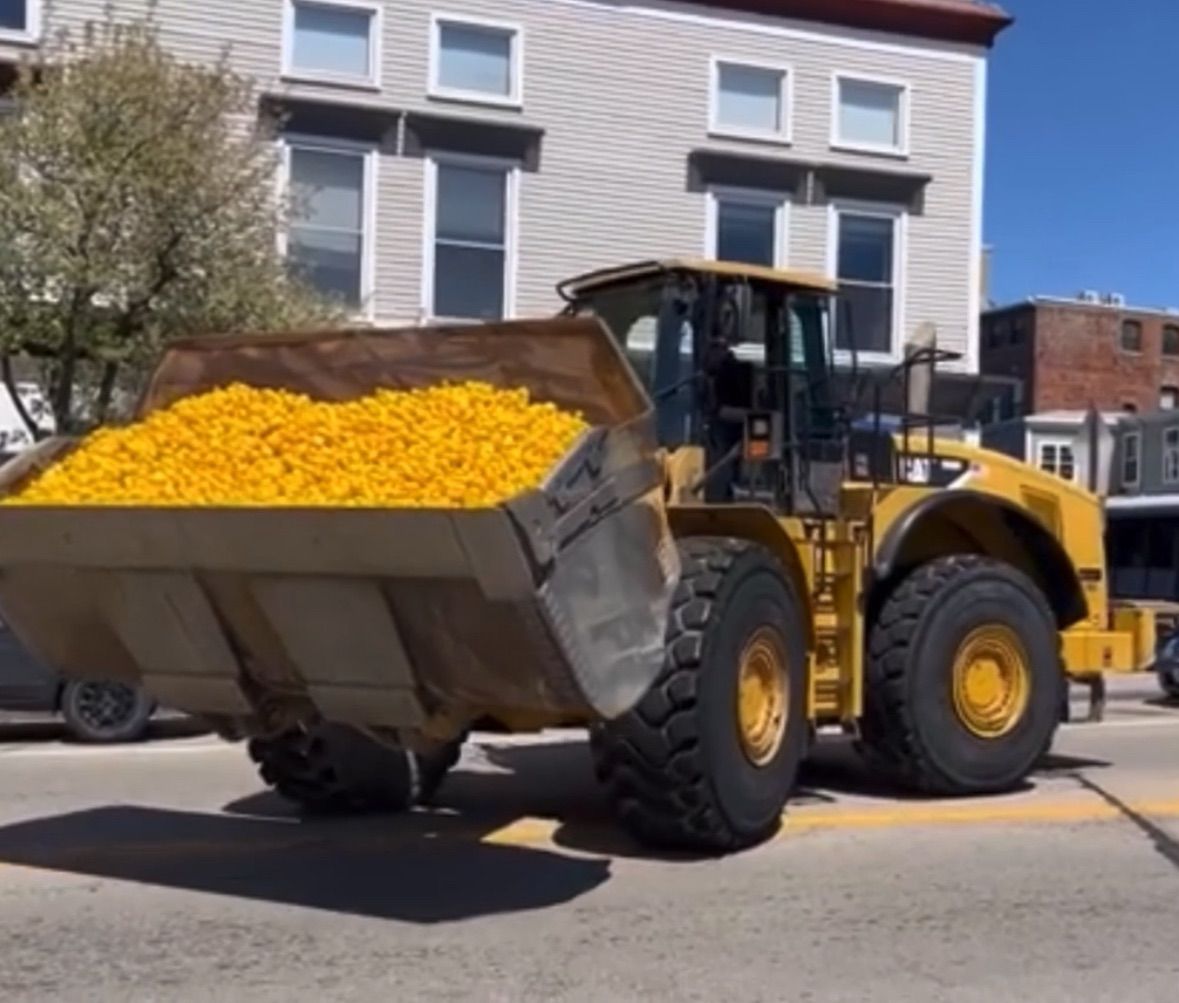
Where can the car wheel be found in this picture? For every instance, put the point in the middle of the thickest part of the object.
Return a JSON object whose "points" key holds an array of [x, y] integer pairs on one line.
{"points": [[105, 712]]}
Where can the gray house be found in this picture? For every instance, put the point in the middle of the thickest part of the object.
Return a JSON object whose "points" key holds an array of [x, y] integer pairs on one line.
{"points": [[462, 156], [1143, 507], [1135, 467]]}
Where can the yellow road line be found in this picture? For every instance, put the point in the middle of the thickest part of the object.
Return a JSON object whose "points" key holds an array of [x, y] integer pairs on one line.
{"points": [[534, 831], [523, 832], [1061, 812]]}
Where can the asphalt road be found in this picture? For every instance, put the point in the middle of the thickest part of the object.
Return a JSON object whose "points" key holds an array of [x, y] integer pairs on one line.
{"points": [[162, 872]]}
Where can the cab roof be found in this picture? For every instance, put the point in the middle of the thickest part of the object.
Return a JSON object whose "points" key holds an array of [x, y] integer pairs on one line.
{"points": [[603, 278]]}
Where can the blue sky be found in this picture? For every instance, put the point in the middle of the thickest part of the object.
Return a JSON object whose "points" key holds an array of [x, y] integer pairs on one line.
{"points": [[1083, 150]]}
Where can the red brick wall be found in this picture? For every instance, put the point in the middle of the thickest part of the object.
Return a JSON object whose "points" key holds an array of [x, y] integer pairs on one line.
{"points": [[1075, 359]]}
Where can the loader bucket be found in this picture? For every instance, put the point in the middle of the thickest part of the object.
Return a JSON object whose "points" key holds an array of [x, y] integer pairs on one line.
{"points": [[551, 606]]}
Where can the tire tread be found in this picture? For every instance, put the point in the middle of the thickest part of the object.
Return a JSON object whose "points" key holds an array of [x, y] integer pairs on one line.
{"points": [[890, 730], [651, 760], [318, 767]]}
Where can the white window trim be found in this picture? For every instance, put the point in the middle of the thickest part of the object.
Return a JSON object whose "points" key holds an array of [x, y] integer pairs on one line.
{"points": [[33, 26], [291, 72], [779, 201], [433, 159], [368, 256], [1136, 437], [1059, 443], [1167, 451], [783, 136], [906, 102], [900, 270], [514, 99]]}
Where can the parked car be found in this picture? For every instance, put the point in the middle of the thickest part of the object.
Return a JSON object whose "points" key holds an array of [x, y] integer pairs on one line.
{"points": [[92, 711], [1166, 664]]}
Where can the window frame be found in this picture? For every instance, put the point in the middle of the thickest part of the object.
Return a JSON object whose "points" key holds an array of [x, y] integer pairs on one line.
{"points": [[1169, 329], [763, 197], [1057, 443], [1136, 438], [781, 137], [1170, 452], [512, 169], [904, 114], [33, 29], [1131, 323], [369, 154], [435, 90], [1171, 391], [900, 267], [376, 11]]}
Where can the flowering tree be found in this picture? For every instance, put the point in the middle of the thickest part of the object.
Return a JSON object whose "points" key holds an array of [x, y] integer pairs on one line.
{"points": [[137, 204]]}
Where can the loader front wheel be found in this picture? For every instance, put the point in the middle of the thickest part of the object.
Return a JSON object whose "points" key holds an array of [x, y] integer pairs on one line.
{"points": [[963, 678], [334, 769], [706, 761]]}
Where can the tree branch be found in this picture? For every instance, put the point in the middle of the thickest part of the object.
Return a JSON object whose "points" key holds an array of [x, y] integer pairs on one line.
{"points": [[63, 393], [106, 389]]}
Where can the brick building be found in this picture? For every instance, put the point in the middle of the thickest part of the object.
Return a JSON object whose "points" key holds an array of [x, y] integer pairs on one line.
{"points": [[1087, 351]]}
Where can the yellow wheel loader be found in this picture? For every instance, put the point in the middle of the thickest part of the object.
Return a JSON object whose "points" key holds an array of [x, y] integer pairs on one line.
{"points": [[738, 555]]}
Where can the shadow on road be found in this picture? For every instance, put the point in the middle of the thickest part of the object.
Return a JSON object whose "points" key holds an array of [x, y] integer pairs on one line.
{"points": [[430, 866], [405, 868], [1057, 763]]}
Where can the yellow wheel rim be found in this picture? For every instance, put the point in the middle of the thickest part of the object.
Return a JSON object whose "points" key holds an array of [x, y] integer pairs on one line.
{"points": [[992, 682], [763, 697]]}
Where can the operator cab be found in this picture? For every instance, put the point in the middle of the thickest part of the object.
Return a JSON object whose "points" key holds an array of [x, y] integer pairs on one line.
{"points": [[739, 362]]}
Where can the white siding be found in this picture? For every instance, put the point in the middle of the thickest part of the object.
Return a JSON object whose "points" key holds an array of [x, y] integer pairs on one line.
{"points": [[621, 92]]}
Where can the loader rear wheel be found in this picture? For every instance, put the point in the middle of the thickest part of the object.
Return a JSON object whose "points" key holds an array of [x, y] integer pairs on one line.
{"points": [[334, 769], [706, 761], [963, 679]]}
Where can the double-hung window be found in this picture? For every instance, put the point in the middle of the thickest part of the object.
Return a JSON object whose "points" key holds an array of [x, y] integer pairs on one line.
{"points": [[1131, 336], [328, 242], [1131, 459], [868, 250], [747, 226], [1171, 456], [870, 115], [333, 41], [750, 100], [476, 60], [20, 20], [1057, 458], [470, 237]]}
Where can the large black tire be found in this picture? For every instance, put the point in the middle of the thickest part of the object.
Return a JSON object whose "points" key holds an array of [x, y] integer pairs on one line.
{"points": [[334, 769], [102, 712], [910, 724], [674, 767]]}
